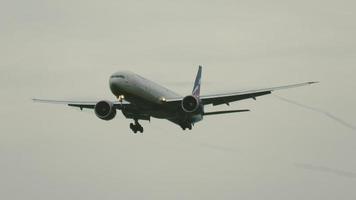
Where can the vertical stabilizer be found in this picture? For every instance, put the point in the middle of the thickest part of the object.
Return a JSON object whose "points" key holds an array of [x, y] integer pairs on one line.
{"points": [[197, 83]]}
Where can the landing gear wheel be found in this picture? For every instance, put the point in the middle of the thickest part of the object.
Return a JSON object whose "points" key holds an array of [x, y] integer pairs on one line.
{"points": [[186, 126], [133, 127], [136, 127], [140, 129]]}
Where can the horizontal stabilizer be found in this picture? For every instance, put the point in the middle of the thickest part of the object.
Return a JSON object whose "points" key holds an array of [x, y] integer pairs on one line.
{"points": [[225, 112]]}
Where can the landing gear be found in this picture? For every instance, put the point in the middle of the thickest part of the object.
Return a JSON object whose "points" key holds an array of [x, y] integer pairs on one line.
{"points": [[135, 127], [187, 126]]}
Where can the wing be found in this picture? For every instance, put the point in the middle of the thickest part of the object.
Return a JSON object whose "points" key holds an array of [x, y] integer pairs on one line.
{"points": [[226, 98], [81, 104], [218, 99], [225, 112]]}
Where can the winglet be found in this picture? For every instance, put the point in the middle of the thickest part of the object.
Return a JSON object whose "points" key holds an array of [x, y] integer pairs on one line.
{"points": [[197, 83]]}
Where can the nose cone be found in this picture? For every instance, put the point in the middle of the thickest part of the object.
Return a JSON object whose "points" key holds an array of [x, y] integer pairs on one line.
{"points": [[117, 82], [113, 85]]}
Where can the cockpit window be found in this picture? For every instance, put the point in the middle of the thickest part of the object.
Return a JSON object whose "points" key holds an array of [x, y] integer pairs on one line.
{"points": [[118, 76]]}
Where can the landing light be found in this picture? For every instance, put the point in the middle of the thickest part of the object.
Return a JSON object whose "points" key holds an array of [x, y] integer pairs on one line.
{"points": [[121, 97], [163, 99]]}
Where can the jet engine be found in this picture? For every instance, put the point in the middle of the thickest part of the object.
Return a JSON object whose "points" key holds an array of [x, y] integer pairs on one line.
{"points": [[105, 110], [190, 104]]}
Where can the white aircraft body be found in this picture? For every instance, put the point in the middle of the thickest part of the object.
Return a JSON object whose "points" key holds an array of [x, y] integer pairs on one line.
{"points": [[141, 99]]}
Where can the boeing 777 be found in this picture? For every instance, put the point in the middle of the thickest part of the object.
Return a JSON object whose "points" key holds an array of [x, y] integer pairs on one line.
{"points": [[141, 99]]}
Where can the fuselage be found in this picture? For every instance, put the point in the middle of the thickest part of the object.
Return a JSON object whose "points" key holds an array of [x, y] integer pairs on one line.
{"points": [[149, 96], [136, 88]]}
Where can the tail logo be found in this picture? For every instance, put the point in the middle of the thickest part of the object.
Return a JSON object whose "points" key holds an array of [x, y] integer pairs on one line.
{"points": [[197, 83]]}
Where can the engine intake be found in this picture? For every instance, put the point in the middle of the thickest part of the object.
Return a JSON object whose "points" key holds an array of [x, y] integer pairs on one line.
{"points": [[190, 104], [105, 110]]}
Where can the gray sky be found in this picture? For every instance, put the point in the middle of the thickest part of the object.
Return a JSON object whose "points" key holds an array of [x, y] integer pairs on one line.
{"points": [[68, 49]]}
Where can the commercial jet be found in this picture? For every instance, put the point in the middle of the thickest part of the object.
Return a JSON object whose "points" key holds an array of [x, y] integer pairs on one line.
{"points": [[141, 99]]}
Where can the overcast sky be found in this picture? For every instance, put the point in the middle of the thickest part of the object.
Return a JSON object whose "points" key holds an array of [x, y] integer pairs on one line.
{"points": [[281, 150]]}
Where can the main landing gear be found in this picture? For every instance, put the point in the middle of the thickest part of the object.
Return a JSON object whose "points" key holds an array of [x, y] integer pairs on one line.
{"points": [[135, 127]]}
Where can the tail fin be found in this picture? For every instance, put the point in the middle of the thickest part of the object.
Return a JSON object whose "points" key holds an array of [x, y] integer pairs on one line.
{"points": [[196, 89]]}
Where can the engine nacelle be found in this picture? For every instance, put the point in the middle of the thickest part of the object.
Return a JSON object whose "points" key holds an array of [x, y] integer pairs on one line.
{"points": [[190, 104], [105, 110]]}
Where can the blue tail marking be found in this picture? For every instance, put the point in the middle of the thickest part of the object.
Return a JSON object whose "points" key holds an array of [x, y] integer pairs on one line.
{"points": [[197, 83]]}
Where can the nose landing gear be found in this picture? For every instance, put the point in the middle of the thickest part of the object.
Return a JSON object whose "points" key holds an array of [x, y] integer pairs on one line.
{"points": [[135, 127], [186, 126]]}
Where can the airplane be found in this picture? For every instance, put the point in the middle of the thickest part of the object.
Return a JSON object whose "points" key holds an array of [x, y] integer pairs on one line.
{"points": [[140, 99]]}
